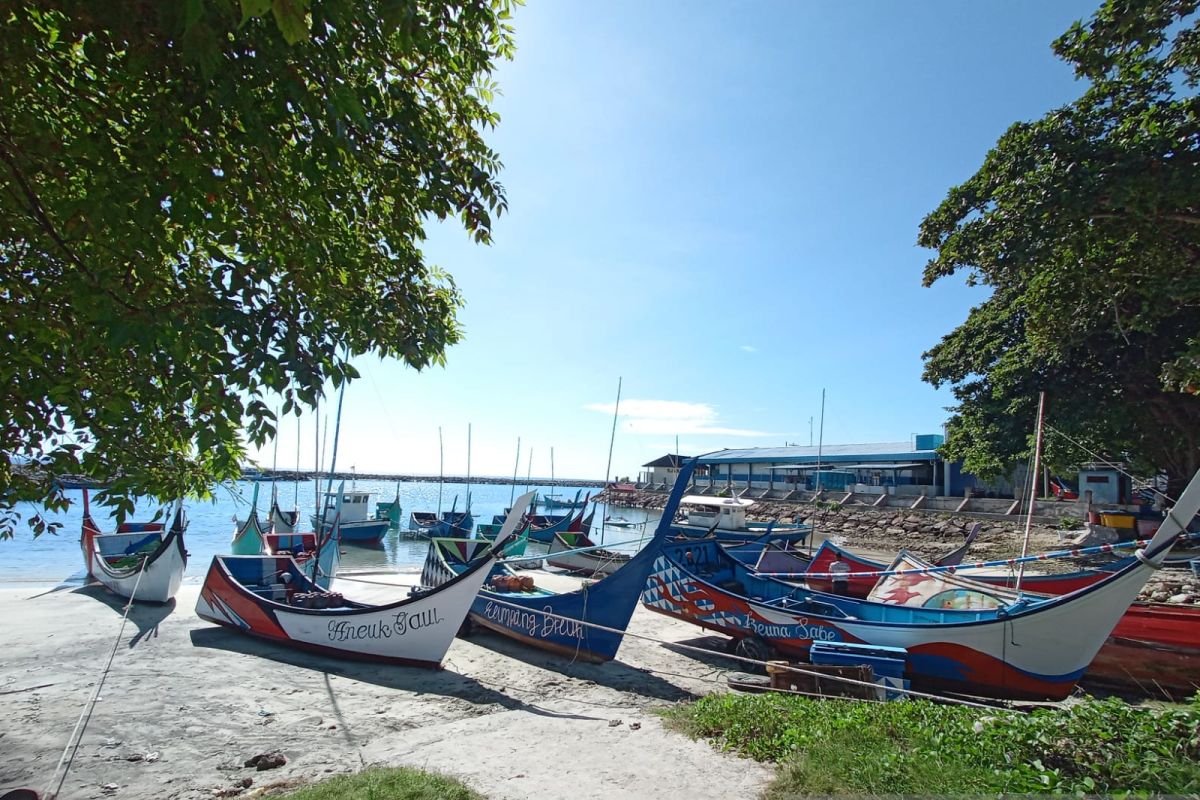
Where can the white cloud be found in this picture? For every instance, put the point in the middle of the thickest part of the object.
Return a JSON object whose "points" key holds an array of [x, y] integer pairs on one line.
{"points": [[670, 417], [749, 348]]}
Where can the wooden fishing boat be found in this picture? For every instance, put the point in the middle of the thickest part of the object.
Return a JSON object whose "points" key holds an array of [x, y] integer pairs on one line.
{"points": [[1030, 648], [423, 523], [770, 559], [449, 523], [140, 560], [270, 597], [590, 562], [542, 527], [1154, 648], [725, 518], [860, 585], [390, 510], [556, 501], [452, 524], [283, 521], [516, 543], [577, 523], [356, 526], [247, 536], [513, 606]]}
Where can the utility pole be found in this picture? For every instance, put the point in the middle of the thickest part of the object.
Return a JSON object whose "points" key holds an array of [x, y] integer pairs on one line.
{"points": [[821, 440]]}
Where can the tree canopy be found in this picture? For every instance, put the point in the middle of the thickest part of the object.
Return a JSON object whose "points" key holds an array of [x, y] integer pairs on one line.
{"points": [[207, 204], [1085, 224]]}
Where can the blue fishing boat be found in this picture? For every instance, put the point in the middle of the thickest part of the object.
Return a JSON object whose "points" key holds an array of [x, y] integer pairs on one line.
{"points": [[513, 606], [1032, 648], [542, 527], [456, 524], [357, 527], [449, 523]]}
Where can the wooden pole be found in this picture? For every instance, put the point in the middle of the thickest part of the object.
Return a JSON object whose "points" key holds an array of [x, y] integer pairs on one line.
{"points": [[1037, 455]]}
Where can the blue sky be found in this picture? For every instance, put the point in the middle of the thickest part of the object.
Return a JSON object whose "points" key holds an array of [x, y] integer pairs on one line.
{"points": [[717, 203]]}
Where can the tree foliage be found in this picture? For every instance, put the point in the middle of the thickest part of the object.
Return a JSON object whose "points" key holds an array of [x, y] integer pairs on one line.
{"points": [[206, 204], [1086, 226]]}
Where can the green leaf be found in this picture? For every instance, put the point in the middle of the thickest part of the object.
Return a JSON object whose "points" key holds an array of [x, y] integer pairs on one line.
{"points": [[292, 18]]}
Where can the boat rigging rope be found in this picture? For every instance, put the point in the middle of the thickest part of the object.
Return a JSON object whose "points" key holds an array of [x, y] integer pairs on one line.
{"points": [[1112, 465], [68, 755], [746, 659], [956, 568]]}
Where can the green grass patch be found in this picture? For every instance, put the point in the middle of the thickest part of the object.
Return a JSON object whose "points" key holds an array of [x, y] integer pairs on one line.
{"points": [[392, 783], [916, 747]]}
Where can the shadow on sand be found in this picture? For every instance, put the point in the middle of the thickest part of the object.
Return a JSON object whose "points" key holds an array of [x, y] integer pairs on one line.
{"points": [[388, 676], [612, 674], [146, 616]]}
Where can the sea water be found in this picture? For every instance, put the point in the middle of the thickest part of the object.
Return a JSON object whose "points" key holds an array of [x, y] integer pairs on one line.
{"points": [[55, 558]]}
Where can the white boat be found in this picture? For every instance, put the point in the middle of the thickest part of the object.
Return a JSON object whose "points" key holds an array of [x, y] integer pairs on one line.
{"points": [[597, 562], [140, 561], [725, 518], [270, 597], [357, 527]]}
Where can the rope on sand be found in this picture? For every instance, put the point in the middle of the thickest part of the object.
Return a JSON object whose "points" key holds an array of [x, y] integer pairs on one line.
{"points": [[68, 755]]}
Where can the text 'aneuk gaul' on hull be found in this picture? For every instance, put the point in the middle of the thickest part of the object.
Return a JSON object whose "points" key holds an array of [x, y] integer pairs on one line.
{"points": [[270, 597]]}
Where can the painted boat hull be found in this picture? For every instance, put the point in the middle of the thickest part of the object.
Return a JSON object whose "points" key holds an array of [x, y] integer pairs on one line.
{"points": [[860, 586], [389, 510], [452, 525], [545, 534], [792, 535], [1036, 651], [247, 538], [608, 602], [1154, 648], [283, 521], [414, 631], [157, 581], [365, 532], [595, 562]]}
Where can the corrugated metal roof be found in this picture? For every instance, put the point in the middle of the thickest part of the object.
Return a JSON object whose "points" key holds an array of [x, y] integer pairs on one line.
{"points": [[830, 453]]}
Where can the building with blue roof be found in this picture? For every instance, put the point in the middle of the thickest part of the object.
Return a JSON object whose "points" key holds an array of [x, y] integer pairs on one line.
{"points": [[908, 468]]}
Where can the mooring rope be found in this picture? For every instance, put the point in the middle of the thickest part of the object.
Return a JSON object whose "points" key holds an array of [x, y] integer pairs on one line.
{"points": [[86, 714], [1110, 464]]}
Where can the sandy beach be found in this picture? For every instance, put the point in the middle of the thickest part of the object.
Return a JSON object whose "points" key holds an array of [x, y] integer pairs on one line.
{"points": [[186, 703]]}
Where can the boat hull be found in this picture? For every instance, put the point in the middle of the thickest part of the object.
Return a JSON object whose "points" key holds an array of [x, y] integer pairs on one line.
{"points": [[860, 586], [595, 562], [238, 593], [556, 622], [1036, 653], [364, 532], [248, 538], [157, 580]]}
